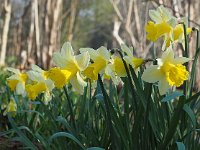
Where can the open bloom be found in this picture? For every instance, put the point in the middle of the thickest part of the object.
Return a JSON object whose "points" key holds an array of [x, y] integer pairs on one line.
{"points": [[75, 64], [60, 77], [39, 85], [169, 71], [165, 25], [100, 58], [176, 35], [130, 59], [17, 81]]}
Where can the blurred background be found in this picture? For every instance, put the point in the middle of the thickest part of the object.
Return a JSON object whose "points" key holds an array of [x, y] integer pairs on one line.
{"points": [[31, 30]]}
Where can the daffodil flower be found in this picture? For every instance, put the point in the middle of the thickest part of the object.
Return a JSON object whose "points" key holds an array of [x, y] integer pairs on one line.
{"points": [[165, 25], [39, 85], [130, 59], [60, 77], [75, 64], [100, 58], [176, 35], [169, 71], [17, 81], [11, 108]]}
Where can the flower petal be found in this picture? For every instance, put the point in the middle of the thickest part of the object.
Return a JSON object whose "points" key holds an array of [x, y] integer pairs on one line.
{"points": [[16, 71], [20, 88], [155, 16], [59, 60], [163, 86], [127, 50], [35, 76], [36, 68], [181, 60], [91, 51], [83, 60], [103, 52], [67, 50], [50, 85], [78, 83], [168, 55], [152, 74]]}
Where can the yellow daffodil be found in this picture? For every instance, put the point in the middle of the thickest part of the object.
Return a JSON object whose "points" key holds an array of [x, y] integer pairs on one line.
{"points": [[60, 77], [75, 64], [165, 25], [11, 108], [100, 58], [17, 81], [169, 71], [130, 59], [177, 35], [39, 85]]}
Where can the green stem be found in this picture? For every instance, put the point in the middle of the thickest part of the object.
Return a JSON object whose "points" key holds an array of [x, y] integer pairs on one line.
{"points": [[72, 118], [186, 54]]}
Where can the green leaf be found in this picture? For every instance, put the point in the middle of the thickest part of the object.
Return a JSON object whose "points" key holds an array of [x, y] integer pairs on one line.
{"points": [[68, 135], [190, 113], [180, 146], [22, 136], [171, 96], [95, 148]]}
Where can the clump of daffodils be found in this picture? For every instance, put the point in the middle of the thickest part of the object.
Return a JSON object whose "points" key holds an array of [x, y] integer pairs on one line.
{"points": [[89, 64], [71, 69], [165, 26]]}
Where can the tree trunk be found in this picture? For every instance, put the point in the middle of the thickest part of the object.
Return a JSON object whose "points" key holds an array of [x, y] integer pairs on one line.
{"points": [[7, 7]]}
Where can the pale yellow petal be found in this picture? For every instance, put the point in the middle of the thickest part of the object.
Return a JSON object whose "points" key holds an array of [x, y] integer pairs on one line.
{"points": [[67, 50], [59, 60], [155, 16], [78, 83], [152, 74], [127, 50], [181, 60], [163, 86], [91, 51], [20, 88], [36, 68], [83, 60], [103, 52], [50, 84], [35, 76], [168, 55], [16, 71]]}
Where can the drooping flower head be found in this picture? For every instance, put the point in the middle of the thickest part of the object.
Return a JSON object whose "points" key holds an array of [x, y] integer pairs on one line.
{"points": [[169, 72], [17, 81], [100, 58], [39, 84], [165, 25], [130, 59], [75, 64], [11, 108]]}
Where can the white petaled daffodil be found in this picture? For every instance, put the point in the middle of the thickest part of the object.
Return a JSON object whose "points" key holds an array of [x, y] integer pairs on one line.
{"points": [[17, 81], [100, 58], [162, 24], [75, 64], [168, 72], [177, 34], [60, 77], [39, 84], [130, 59]]}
